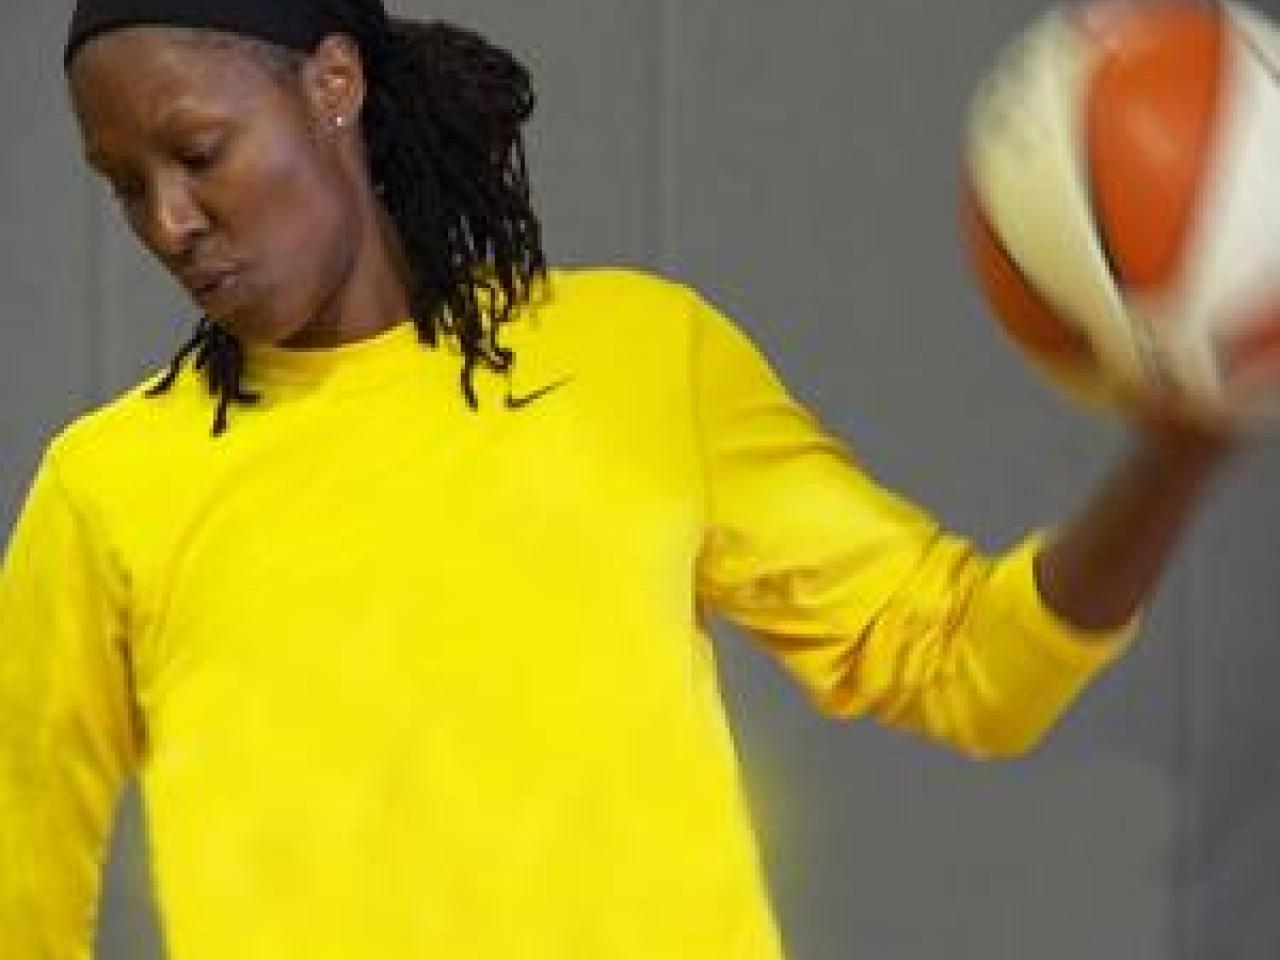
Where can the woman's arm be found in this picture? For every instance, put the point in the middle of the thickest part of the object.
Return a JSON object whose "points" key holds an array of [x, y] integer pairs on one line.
{"points": [[68, 741]]}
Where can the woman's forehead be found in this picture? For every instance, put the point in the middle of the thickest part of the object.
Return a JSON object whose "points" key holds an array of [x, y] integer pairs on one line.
{"points": [[152, 73], [163, 59]]}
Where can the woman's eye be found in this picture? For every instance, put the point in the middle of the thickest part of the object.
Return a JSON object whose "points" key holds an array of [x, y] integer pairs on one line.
{"points": [[202, 159]]}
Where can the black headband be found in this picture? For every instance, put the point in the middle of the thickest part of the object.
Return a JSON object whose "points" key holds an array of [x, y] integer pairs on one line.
{"points": [[298, 24]]}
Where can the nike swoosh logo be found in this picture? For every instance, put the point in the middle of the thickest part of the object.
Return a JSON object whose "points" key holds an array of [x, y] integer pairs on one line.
{"points": [[514, 403]]}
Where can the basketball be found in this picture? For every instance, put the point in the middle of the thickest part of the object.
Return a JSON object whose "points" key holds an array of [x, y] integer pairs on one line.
{"points": [[1121, 204]]}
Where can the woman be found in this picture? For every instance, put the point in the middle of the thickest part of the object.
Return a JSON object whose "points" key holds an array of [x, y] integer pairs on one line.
{"points": [[410, 653]]}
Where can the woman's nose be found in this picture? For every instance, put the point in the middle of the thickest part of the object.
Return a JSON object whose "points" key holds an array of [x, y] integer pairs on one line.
{"points": [[174, 217]]}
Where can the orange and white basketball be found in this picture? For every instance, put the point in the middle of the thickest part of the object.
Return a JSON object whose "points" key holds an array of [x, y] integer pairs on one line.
{"points": [[1122, 178]]}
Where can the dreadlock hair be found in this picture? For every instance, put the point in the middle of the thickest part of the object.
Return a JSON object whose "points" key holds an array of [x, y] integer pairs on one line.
{"points": [[441, 127]]}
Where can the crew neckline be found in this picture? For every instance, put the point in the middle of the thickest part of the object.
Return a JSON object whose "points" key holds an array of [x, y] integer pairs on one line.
{"points": [[392, 353], [363, 362]]}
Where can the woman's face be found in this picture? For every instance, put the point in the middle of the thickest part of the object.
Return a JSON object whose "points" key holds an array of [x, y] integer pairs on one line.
{"points": [[217, 165]]}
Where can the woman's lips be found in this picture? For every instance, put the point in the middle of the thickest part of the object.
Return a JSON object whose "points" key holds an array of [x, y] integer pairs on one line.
{"points": [[218, 290]]}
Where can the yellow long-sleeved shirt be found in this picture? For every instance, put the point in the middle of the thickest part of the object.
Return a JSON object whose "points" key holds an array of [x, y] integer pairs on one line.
{"points": [[405, 680]]}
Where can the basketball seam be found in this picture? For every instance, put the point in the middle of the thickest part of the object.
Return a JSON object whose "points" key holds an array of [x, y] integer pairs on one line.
{"points": [[1250, 43], [1153, 365]]}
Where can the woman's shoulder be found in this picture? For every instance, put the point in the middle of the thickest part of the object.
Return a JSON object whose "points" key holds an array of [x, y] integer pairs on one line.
{"points": [[128, 432], [614, 279], [614, 298]]}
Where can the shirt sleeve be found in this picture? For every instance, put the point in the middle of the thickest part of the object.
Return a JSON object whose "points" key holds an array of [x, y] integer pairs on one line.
{"points": [[859, 593], [67, 739]]}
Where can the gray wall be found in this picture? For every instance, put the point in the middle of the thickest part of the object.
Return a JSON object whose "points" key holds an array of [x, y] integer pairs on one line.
{"points": [[797, 163]]}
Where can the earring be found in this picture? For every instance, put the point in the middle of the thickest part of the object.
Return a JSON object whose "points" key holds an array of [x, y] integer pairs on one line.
{"points": [[339, 121]]}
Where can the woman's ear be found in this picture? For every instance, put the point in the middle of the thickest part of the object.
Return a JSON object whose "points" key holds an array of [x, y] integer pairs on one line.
{"points": [[334, 81]]}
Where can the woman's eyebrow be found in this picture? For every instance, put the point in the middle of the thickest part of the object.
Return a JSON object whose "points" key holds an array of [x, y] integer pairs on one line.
{"points": [[173, 120]]}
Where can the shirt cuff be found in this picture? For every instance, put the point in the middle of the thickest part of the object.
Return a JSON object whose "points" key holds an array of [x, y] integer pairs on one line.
{"points": [[1081, 646]]}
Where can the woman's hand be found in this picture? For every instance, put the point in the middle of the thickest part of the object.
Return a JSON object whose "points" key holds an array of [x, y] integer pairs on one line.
{"points": [[1183, 435], [1105, 564]]}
